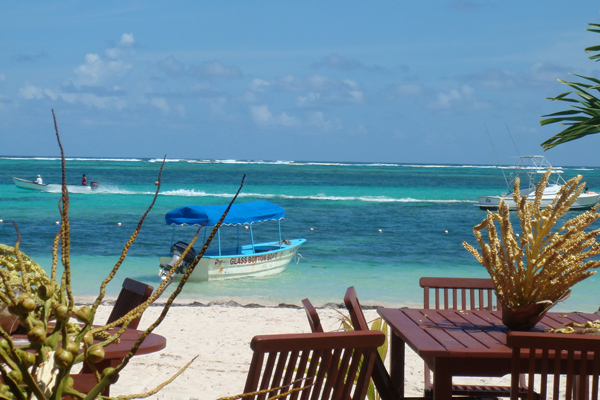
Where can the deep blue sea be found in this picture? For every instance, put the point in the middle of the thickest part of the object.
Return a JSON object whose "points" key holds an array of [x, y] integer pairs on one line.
{"points": [[378, 227]]}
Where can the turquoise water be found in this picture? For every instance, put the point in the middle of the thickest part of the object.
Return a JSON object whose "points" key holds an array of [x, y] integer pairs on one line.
{"points": [[379, 227]]}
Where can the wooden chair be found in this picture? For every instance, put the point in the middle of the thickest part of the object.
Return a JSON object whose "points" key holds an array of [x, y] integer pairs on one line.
{"points": [[567, 361], [381, 378], [296, 361], [459, 294], [463, 294], [313, 317], [133, 293]]}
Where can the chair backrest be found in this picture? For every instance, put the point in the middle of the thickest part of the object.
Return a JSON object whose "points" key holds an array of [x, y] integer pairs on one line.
{"points": [[132, 295], [359, 322], [313, 317], [381, 378], [570, 362], [459, 293], [294, 361]]}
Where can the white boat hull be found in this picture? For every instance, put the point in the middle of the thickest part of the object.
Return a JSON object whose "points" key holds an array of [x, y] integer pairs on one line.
{"points": [[528, 171], [585, 201], [52, 187], [266, 259]]}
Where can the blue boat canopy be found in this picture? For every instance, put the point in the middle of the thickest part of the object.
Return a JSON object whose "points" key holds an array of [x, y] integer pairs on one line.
{"points": [[239, 214]]}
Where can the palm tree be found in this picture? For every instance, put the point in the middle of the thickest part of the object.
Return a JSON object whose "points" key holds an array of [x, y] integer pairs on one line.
{"points": [[583, 118]]}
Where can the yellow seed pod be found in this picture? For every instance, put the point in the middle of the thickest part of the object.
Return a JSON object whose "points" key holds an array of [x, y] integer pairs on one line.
{"points": [[84, 314], [27, 358], [63, 358], [95, 354], [70, 383], [61, 312], [36, 335], [26, 304], [4, 345], [114, 378], [46, 291], [16, 376], [72, 347], [88, 338]]}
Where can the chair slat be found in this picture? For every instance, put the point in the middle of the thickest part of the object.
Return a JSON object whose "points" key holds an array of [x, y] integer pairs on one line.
{"points": [[351, 356], [466, 294], [313, 316], [133, 293], [560, 360], [381, 378]]}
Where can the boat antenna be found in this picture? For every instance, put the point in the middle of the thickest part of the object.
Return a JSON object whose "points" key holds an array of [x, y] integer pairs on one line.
{"points": [[513, 140], [495, 153]]}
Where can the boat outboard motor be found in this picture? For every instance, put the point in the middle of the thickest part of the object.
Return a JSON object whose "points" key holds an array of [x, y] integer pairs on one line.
{"points": [[177, 250]]}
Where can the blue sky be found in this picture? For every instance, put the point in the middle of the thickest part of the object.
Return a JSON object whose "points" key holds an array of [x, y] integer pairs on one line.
{"points": [[382, 81]]}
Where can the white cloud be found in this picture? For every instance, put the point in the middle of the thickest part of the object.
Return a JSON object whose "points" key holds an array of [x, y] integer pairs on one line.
{"points": [[127, 41], [51, 93], [30, 92], [287, 120], [96, 72], [259, 85], [289, 83], [263, 116], [172, 66], [308, 99], [92, 100], [320, 82], [317, 119], [206, 70], [447, 100], [249, 97], [160, 103], [356, 96]]}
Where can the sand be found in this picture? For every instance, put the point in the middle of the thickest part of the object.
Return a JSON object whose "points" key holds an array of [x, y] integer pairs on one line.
{"points": [[220, 334]]}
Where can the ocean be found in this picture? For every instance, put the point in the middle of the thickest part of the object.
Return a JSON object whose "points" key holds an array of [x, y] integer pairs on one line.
{"points": [[378, 227]]}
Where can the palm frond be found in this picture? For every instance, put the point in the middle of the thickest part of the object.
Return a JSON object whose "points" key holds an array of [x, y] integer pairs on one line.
{"points": [[583, 116]]}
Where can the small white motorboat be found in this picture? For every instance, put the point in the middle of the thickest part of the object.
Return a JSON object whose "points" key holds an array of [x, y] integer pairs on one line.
{"points": [[235, 261], [53, 187], [529, 170]]}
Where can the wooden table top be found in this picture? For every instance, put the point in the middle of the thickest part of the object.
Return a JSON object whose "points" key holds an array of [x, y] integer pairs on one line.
{"points": [[463, 334], [151, 344]]}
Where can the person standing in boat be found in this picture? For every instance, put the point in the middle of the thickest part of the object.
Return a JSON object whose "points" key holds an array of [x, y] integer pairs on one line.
{"points": [[84, 180], [38, 180]]}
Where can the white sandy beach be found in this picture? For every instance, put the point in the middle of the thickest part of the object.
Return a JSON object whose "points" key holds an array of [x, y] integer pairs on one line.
{"points": [[220, 334]]}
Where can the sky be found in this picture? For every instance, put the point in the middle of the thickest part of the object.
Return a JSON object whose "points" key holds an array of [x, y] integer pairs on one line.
{"points": [[461, 82]]}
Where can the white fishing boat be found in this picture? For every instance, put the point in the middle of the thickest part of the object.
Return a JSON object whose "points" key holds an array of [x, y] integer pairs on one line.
{"points": [[529, 171], [53, 187], [236, 260]]}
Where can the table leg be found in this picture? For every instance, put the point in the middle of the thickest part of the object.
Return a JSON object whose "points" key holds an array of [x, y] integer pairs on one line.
{"points": [[397, 363], [442, 379]]}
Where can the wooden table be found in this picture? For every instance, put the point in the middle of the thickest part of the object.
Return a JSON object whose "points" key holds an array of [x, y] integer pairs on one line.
{"points": [[113, 355], [457, 343], [152, 343], [116, 351]]}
